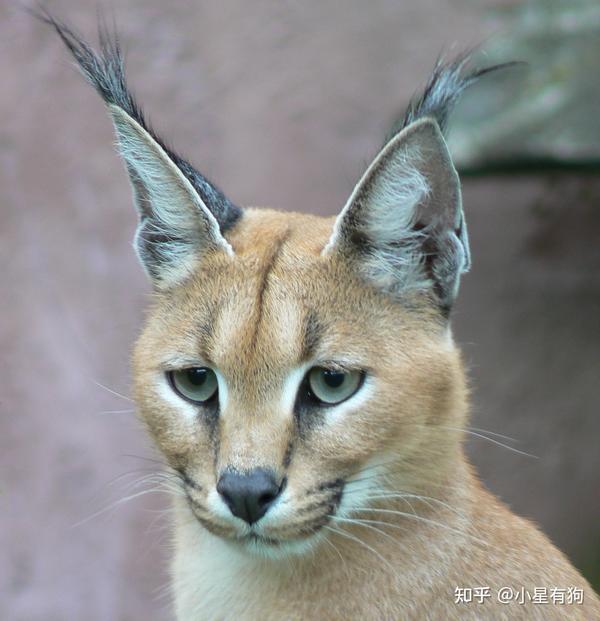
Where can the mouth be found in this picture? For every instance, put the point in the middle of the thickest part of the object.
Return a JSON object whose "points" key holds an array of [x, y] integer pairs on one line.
{"points": [[322, 503], [256, 539], [277, 549]]}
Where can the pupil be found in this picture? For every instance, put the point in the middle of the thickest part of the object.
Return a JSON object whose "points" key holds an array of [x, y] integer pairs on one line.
{"points": [[196, 376], [333, 379]]}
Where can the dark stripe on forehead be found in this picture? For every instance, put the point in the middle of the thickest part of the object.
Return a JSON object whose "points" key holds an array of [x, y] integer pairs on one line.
{"points": [[264, 281], [205, 330], [312, 334]]}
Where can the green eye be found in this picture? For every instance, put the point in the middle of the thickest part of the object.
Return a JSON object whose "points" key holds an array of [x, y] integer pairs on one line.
{"points": [[332, 386], [197, 384]]}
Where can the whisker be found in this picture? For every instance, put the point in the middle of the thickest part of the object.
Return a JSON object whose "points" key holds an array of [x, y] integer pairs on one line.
{"points": [[422, 519], [477, 434], [402, 469], [496, 442], [162, 483], [425, 499], [111, 507], [493, 433], [326, 540], [346, 534], [112, 392], [150, 459], [364, 523], [106, 412]]}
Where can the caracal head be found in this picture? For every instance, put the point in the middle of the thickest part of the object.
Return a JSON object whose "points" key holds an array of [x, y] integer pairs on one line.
{"points": [[292, 368]]}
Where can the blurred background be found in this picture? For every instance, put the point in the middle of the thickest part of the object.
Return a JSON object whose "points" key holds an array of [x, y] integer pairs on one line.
{"points": [[283, 103]]}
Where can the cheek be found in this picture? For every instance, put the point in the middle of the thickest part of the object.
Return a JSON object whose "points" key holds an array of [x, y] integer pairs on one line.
{"points": [[418, 397], [351, 432], [392, 411]]}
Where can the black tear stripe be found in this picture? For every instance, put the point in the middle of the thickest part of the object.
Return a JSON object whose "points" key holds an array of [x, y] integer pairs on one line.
{"points": [[215, 440], [195, 503], [328, 485], [287, 457], [188, 480]]}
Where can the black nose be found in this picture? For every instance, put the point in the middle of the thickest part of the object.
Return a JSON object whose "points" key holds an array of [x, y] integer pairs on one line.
{"points": [[249, 495]]}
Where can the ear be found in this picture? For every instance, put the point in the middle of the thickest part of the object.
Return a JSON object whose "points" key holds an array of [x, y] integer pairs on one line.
{"points": [[403, 225], [176, 227], [182, 215]]}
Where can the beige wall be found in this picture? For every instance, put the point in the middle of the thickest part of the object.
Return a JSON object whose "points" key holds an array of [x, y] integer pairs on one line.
{"points": [[282, 103]]}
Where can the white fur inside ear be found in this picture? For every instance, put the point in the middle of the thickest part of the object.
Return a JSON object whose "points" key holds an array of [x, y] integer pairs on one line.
{"points": [[394, 187], [170, 208], [394, 262], [403, 222]]}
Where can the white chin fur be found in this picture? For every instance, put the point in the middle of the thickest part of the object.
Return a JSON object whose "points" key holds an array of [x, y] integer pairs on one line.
{"points": [[278, 551]]}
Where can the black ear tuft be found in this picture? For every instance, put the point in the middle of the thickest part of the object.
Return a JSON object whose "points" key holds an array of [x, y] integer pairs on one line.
{"points": [[403, 227], [442, 91], [182, 216], [105, 71]]}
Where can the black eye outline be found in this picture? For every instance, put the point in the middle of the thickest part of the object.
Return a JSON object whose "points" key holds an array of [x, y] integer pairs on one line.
{"points": [[306, 396], [211, 401]]}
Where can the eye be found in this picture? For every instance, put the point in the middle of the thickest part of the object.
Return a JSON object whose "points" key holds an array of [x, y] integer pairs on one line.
{"points": [[197, 384], [332, 386]]}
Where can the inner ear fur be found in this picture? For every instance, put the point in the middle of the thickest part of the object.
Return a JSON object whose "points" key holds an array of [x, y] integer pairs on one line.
{"points": [[176, 227], [403, 225]]}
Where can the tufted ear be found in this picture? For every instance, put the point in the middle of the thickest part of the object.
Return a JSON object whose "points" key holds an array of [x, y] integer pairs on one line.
{"points": [[182, 216], [176, 226], [403, 225]]}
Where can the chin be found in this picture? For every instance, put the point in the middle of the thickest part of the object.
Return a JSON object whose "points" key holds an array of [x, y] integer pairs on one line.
{"points": [[275, 549]]}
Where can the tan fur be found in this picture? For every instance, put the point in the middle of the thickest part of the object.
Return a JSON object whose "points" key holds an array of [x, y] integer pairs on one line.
{"points": [[245, 315]]}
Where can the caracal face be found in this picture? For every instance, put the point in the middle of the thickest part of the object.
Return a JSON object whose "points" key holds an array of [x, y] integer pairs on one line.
{"points": [[261, 320]]}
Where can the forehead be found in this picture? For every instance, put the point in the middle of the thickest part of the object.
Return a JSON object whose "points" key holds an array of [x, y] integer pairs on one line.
{"points": [[261, 303], [274, 305]]}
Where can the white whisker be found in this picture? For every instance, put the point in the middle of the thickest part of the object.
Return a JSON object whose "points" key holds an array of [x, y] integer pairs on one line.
{"points": [[346, 534], [112, 392], [106, 412], [364, 523], [420, 518]]}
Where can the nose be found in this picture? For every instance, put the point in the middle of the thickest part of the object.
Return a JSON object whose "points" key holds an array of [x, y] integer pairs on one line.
{"points": [[249, 495]]}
